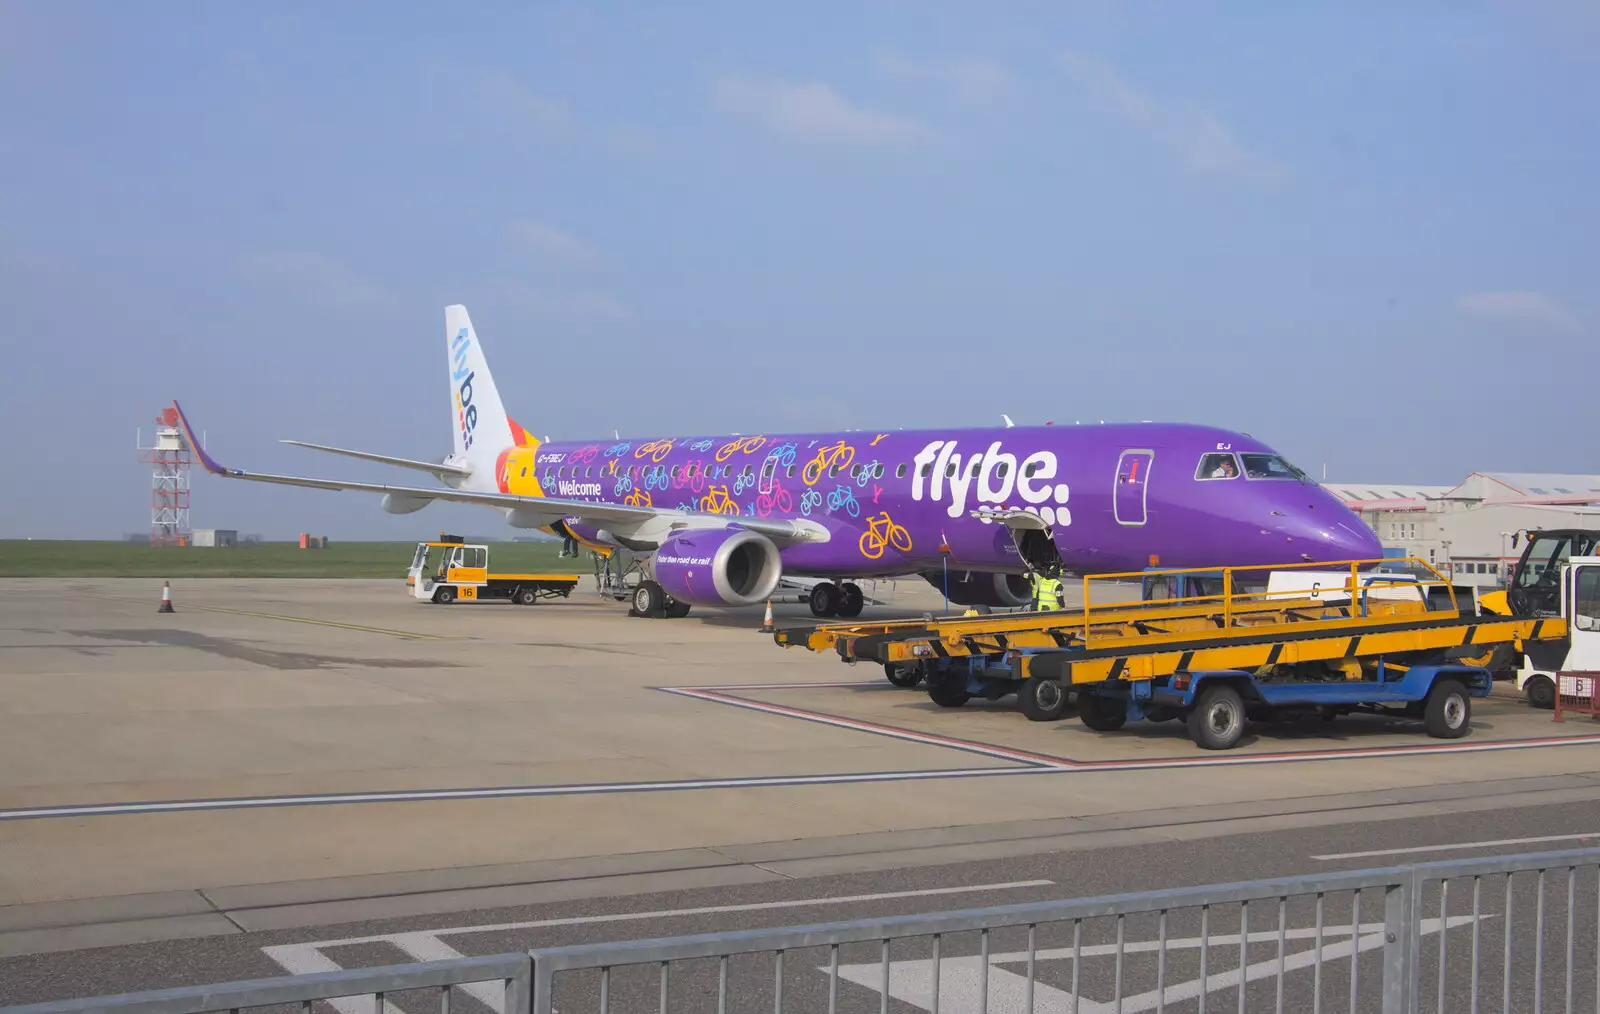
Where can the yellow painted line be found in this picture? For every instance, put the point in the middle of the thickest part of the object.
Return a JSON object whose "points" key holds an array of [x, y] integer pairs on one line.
{"points": [[406, 634]]}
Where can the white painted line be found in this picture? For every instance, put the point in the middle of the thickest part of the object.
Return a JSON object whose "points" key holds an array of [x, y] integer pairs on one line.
{"points": [[860, 725], [1459, 846], [671, 913], [299, 959], [427, 947], [498, 792]]}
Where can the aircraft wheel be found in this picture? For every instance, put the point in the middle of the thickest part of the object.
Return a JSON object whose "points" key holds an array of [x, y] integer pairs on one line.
{"points": [[903, 674], [1042, 700], [1448, 714], [1541, 692], [677, 610], [852, 599], [445, 595], [525, 597], [825, 600], [1102, 714], [649, 599]]}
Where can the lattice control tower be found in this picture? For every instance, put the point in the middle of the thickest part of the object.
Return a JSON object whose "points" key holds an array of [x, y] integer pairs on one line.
{"points": [[169, 458]]}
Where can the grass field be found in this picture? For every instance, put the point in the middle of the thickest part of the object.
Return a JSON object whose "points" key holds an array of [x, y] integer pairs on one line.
{"points": [[62, 558]]}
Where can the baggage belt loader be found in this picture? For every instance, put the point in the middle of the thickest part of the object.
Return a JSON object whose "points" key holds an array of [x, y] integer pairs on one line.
{"points": [[450, 570], [1314, 642]]}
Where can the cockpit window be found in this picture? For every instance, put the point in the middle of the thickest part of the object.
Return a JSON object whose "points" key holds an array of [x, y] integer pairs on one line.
{"points": [[1269, 466], [1217, 466]]}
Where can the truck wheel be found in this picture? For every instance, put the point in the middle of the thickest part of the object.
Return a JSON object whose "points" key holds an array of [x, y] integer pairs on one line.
{"points": [[1101, 713], [525, 597], [948, 693], [903, 674], [852, 600], [1042, 700], [1217, 721], [678, 610], [1541, 692], [649, 599], [1448, 714], [444, 595]]}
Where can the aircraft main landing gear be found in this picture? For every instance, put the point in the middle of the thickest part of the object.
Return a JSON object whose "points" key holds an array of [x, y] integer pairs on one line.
{"points": [[829, 599]]}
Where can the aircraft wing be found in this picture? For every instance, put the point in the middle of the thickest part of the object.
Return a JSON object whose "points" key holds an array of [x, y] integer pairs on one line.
{"points": [[438, 468], [651, 523]]}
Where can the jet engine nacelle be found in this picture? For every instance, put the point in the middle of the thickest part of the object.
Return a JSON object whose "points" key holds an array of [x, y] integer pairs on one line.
{"points": [[399, 503], [718, 567], [984, 588]]}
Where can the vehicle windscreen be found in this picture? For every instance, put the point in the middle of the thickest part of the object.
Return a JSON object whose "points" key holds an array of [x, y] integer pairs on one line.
{"points": [[1545, 555], [1269, 466]]}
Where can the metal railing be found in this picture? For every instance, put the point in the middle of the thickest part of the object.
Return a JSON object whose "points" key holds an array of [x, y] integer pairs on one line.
{"points": [[507, 975], [1507, 933], [1355, 585]]}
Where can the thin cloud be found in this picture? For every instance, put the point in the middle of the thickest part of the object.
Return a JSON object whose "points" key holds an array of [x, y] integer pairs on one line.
{"points": [[1519, 307], [514, 99], [813, 112], [549, 241], [564, 305], [1188, 129], [970, 80], [318, 279]]}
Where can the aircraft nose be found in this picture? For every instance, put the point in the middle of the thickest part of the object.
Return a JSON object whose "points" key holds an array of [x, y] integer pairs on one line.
{"points": [[1326, 531]]}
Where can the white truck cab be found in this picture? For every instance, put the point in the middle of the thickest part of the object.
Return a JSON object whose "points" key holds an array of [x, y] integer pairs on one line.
{"points": [[1576, 582]]}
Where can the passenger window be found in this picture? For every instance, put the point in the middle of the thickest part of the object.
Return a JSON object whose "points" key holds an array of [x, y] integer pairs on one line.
{"points": [[1217, 466], [976, 465], [900, 470], [1586, 611], [950, 470], [524, 473], [877, 470], [789, 471], [927, 470], [675, 471], [1002, 468], [1033, 467], [833, 472]]}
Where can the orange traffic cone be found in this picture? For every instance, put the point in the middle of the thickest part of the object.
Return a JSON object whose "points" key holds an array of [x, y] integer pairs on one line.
{"points": [[166, 598], [766, 622]]}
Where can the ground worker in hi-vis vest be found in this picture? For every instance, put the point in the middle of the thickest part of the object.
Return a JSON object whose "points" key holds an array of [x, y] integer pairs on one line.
{"points": [[1046, 593]]}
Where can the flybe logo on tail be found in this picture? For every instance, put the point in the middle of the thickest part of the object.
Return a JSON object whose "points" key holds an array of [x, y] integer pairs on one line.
{"points": [[990, 477], [466, 411]]}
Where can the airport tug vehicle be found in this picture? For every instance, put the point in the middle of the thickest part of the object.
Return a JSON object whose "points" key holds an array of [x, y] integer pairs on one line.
{"points": [[1303, 640], [450, 570]]}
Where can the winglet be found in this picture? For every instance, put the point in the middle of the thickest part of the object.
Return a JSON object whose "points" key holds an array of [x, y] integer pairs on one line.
{"points": [[200, 452]]}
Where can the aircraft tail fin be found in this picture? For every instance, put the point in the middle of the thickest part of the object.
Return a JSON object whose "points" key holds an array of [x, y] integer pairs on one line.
{"points": [[481, 427]]}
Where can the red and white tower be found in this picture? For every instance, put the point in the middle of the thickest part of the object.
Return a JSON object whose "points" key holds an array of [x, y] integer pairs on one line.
{"points": [[169, 458]]}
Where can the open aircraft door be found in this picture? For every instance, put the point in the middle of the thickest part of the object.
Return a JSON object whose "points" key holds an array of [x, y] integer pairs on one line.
{"points": [[1133, 477]]}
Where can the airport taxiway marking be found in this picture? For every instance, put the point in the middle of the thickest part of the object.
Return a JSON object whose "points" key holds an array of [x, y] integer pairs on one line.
{"points": [[1024, 763], [427, 945], [1459, 846]]}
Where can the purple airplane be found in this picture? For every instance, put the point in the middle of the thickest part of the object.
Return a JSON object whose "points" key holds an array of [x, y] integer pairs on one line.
{"points": [[724, 519]]}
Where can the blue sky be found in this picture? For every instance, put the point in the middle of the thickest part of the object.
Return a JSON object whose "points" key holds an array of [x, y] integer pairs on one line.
{"points": [[1362, 232]]}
